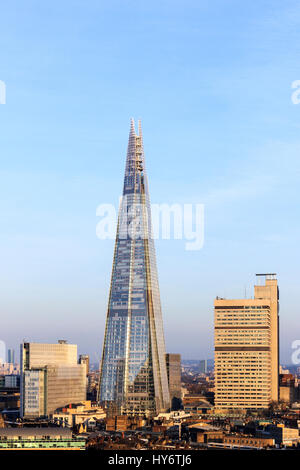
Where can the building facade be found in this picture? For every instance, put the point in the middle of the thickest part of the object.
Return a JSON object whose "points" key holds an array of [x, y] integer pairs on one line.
{"points": [[39, 439], [173, 362], [78, 414], [85, 359], [50, 378], [12, 381], [133, 374], [11, 356], [246, 348], [203, 366]]}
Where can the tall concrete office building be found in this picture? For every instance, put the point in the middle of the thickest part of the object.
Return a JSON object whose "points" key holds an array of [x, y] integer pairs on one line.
{"points": [[133, 374], [50, 378], [247, 348]]}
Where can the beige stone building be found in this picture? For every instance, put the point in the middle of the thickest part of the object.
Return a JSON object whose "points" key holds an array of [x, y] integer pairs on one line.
{"points": [[246, 348], [79, 414], [233, 440], [50, 378]]}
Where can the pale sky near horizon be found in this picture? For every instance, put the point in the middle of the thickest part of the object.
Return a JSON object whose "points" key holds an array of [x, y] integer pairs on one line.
{"points": [[211, 81]]}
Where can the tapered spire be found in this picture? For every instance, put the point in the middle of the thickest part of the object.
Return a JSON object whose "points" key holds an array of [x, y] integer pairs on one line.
{"points": [[133, 373], [132, 126], [140, 128]]}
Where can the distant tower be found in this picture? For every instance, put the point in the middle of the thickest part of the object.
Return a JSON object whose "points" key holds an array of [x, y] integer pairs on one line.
{"points": [[174, 379], [203, 366], [85, 359], [11, 356], [133, 374]]}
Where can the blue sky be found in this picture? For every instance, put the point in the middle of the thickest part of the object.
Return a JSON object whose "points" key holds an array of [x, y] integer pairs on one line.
{"points": [[211, 81]]}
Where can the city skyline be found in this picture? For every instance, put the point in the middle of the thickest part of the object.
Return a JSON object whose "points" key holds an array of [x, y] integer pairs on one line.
{"points": [[214, 91]]}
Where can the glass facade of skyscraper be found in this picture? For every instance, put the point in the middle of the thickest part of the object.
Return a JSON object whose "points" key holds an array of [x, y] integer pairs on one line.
{"points": [[133, 373]]}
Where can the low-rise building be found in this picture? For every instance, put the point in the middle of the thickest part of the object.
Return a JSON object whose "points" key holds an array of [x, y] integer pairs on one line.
{"points": [[204, 436], [9, 399], [177, 416], [198, 408], [124, 423], [283, 435], [39, 439], [79, 414], [12, 381], [248, 441], [289, 388]]}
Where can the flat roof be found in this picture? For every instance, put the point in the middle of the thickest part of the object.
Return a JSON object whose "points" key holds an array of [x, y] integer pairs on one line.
{"points": [[266, 274], [204, 427], [35, 431]]}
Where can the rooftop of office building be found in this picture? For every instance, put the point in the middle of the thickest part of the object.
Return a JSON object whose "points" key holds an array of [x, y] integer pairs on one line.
{"points": [[53, 432]]}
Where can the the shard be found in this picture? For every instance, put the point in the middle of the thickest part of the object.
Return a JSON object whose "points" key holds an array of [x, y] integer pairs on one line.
{"points": [[133, 374]]}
